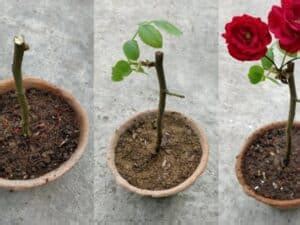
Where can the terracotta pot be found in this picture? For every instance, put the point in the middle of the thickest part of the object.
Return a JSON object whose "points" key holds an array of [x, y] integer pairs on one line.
{"points": [[31, 82], [282, 204], [157, 193]]}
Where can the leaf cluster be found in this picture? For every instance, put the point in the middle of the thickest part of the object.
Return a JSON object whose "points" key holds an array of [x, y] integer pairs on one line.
{"points": [[149, 33], [260, 73], [268, 69]]}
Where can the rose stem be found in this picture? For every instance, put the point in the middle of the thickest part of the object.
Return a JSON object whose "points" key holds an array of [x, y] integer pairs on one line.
{"points": [[19, 48], [292, 110], [162, 96], [163, 92]]}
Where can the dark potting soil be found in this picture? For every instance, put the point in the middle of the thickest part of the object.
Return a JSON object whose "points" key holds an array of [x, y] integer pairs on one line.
{"points": [[178, 158], [55, 134], [263, 165]]}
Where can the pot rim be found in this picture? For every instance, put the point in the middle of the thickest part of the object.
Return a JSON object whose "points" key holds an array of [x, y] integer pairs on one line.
{"points": [[283, 204], [157, 193], [34, 82]]}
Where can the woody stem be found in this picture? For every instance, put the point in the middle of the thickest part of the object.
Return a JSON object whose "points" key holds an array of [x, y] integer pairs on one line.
{"points": [[19, 48]]}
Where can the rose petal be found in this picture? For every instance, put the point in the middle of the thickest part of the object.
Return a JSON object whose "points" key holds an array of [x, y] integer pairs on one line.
{"points": [[276, 21]]}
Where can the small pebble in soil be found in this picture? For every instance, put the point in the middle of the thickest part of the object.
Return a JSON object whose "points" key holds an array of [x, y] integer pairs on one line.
{"points": [[134, 135], [164, 163]]}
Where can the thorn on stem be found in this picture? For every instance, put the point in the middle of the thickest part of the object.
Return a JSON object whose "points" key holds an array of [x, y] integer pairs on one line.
{"points": [[174, 94]]}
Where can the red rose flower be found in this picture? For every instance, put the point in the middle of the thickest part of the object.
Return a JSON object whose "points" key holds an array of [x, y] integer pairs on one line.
{"points": [[284, 22], [247, 38]]}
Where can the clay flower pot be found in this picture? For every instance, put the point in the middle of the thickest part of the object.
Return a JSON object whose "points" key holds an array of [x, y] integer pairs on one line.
{"points": [[157, 193], [31, 82], [282, 204]]}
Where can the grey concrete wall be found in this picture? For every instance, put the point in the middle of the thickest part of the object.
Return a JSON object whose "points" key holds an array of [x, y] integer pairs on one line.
{"points": [[191, 69], [242, 109], [60, 34]]}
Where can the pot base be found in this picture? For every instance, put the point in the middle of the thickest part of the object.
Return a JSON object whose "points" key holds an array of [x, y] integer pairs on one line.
{"points": [[260, 167], [179, 155], [81, 115], [181, 160], [54, 135]]}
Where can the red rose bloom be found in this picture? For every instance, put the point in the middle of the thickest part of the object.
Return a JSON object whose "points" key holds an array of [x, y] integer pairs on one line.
{"points": [[284, 22], [247, 38]]}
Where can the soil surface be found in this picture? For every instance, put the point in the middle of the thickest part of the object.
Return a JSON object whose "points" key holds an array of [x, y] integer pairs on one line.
{"points": [[178, 158], [55, 135], [263, 166]]}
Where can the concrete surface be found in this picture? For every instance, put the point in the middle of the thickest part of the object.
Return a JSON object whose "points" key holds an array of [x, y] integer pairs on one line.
{"points": [[244, 108], [61, 39], [191, 69], [60, 34]]}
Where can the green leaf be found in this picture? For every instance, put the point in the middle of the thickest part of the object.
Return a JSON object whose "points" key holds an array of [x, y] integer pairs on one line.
{"points": [[121, 70], [256, 74], [150, 35], [131, 50], [265, 62], [168, 27]]}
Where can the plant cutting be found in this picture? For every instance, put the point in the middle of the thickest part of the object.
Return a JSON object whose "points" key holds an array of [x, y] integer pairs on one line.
{"points": [[268, 165], [43, 129], [155, 153]]}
